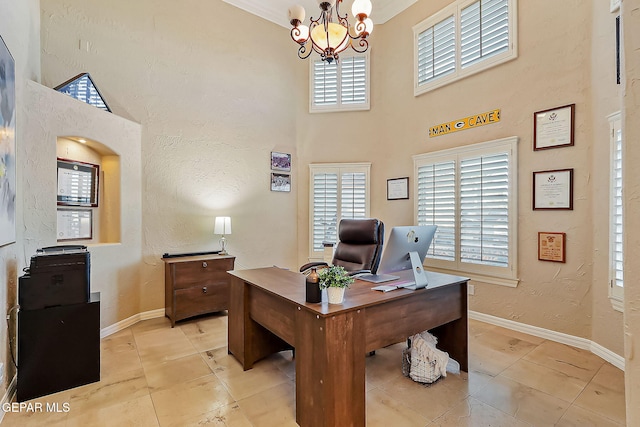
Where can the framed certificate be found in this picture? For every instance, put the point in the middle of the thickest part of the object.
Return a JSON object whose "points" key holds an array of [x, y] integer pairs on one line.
{"points": [[551, 246], [77, 183], [553, 189], [75, 224], [553, 128], [398, 188]]}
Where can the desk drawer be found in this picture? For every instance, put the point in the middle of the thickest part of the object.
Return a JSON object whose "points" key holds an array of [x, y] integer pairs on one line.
{"points": [[201, 299], [200, 273]]}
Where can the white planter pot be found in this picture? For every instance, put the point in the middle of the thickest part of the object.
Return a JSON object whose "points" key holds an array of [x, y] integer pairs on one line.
{"points": [[336, 295]]}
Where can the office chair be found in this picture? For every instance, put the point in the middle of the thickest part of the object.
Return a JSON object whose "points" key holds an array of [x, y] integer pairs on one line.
{"points": [[359, 247]]}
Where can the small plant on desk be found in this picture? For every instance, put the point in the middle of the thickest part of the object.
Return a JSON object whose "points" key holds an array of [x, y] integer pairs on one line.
{"points": [[335, 280]]}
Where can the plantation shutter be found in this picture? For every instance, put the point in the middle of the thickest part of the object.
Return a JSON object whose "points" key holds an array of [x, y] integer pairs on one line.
{"points": [[484, 30], [437, 50], [437, 206], [617, 253], [325, 83], [484, 210], [354, 80], [325, 209], [353, 195]]}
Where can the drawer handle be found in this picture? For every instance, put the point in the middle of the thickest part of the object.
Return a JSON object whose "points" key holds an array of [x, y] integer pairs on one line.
{"points": [[204, 264], [204, 289]]}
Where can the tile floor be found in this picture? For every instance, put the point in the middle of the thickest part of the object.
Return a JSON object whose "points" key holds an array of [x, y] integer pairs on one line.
{"points": [[153, 375]]}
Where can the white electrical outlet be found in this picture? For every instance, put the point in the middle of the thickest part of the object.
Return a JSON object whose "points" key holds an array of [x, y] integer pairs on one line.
{"points": [[472, 289]]}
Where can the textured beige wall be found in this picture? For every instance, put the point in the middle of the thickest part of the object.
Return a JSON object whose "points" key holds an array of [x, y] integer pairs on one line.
{"points": [[631, 136], [553, 69], [213, 87], [115, 268]]}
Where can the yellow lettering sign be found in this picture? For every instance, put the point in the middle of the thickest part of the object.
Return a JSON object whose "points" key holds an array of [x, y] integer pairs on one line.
{"points": [[465, 123]]}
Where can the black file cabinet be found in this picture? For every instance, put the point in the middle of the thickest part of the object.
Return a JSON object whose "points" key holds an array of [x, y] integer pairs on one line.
{"points": [[58, 348]]}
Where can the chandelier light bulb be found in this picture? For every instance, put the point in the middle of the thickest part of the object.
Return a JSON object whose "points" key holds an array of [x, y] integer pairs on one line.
{"points": [[361, 9], [296, 15], [300, 33], [368, 25]]}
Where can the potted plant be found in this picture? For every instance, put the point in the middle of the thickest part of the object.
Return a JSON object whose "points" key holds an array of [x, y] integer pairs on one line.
{"points": [[335, 280]]}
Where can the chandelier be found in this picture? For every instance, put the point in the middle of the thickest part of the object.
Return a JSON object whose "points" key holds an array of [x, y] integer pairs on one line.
{"points": [[329, 36]]}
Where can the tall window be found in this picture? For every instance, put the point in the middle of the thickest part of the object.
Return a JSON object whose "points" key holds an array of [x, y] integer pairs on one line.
{"points": [[616, 254], [337, 190], [470, 194], [464, 38], [340, 86]]}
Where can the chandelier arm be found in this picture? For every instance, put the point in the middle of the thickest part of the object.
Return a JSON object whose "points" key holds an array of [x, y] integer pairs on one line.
{"points": [[295, 35], [361, 46], [303, 52]]}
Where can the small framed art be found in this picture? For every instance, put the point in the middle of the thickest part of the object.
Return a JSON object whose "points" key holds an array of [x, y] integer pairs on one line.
{"points": [[75, 224], [398, 188], [77, 183], [280, 182], [551, 246], [280, 161]]}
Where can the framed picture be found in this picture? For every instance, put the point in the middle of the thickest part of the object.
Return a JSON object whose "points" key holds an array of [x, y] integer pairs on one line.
{"points": [[77, 183], [280, 161], [398, 188], [553, 128], [7, 146], [75, 224], [280, 182], [551, 246], [553, 189]]}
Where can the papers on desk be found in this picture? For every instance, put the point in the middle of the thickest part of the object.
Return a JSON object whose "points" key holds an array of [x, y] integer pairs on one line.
{"points": [[387, 288]]}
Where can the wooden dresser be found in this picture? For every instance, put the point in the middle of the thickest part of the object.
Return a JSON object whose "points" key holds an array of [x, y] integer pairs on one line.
{"points": [[195, 285]]}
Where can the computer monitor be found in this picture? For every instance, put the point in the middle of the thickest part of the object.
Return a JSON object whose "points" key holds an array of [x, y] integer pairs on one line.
{"points": [[402, 241]]}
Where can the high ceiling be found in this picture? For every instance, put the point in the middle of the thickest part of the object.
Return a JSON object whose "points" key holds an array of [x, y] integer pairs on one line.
{"points": [[276, 10]]}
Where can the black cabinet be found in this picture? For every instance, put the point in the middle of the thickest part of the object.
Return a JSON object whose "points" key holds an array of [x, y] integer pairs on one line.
{"points": [[58, 348]]}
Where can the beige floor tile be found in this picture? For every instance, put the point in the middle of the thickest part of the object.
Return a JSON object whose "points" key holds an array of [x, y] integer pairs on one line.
{"points": [[109, 391], [168, 374], [34, 418], [547, 380], [151, 325], [264, 375], [384, 410], [131, 413], [524, 403], [274, 407], [190, 399], [494, 351], [118, 353], [285, 362], [384, 366], [162, 345], [473, 413], [572, 361], [206, 333], [228, 416], [431, 401], [605, 394], [579, 417]]}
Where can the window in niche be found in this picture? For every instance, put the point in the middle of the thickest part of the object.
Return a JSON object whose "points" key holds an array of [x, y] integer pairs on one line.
{"points": [[82, 88]]}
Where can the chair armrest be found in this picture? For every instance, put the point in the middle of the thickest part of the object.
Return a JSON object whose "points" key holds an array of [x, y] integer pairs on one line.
{"points": [[311, 265]]}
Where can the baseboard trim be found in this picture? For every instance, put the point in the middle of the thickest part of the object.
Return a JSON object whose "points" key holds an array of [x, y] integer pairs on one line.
{"points": [[146, 315], [582, 343], [8, 396]]}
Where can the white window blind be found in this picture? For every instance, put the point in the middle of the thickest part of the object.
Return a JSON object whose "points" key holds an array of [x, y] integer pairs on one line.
{"points": [[437, 206], [484, 30], [340, 86], [484, 210], [338, 191], [470, 194], [464, 38], [616, 215]]}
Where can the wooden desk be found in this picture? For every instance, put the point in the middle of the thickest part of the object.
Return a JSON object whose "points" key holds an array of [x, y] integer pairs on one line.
{"points": [[268, 313]]}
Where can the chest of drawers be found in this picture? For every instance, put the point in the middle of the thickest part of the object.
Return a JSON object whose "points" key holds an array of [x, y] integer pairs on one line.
{"points": [[195, 285]]}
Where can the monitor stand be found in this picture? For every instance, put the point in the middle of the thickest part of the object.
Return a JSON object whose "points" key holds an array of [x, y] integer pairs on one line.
{"points": [[419, 275]]}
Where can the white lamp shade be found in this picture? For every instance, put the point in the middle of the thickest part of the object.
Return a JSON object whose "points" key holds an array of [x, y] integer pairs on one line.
{"points": [[369, 24], [361, 7], [337, 36], [296, 12], [300, 33], [222, 225]]}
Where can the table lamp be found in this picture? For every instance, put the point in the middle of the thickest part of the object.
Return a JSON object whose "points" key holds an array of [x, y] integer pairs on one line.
{"points": [[222, 226]]}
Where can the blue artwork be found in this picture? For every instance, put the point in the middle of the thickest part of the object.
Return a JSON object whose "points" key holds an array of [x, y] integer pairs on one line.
{"points": [[7, 147]]}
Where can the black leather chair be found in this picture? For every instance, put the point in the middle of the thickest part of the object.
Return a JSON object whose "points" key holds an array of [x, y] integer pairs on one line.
{"points": [[359, 247]]}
